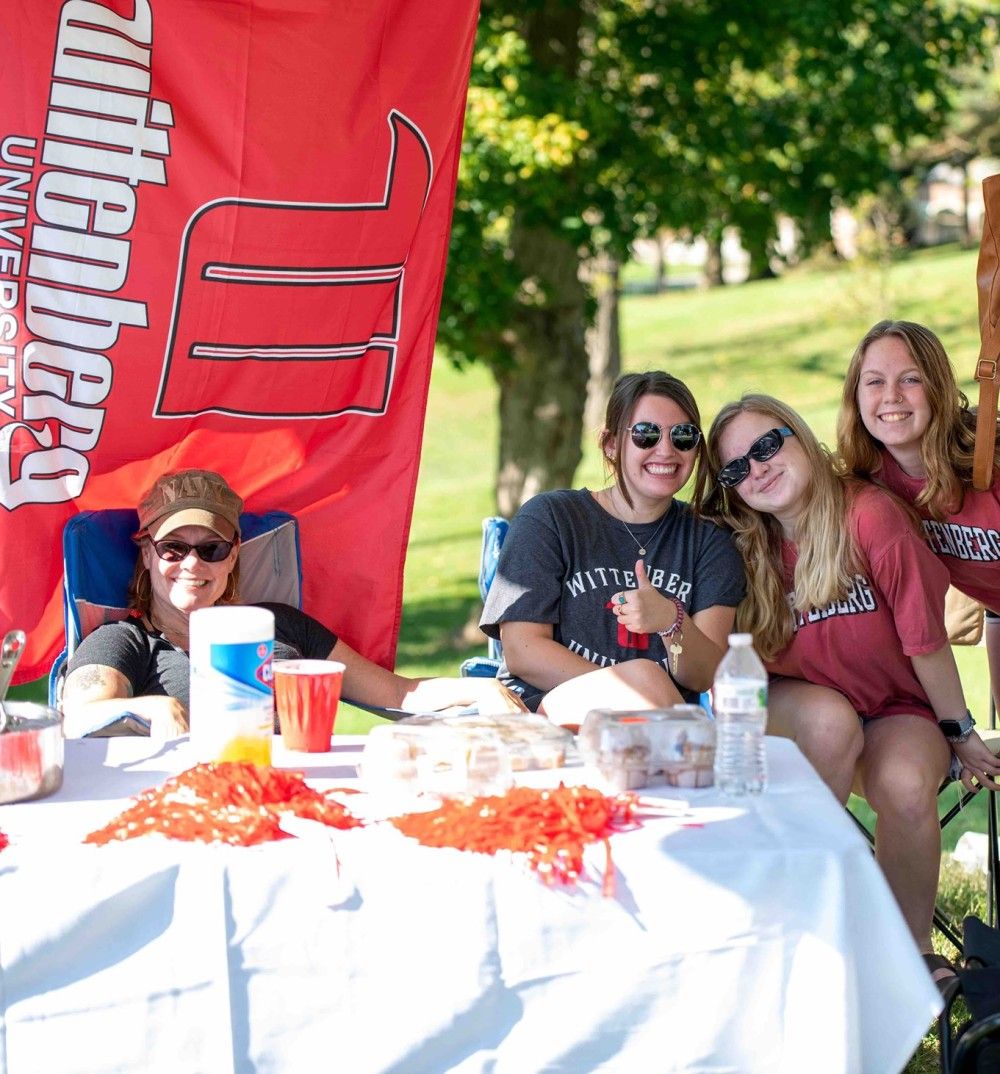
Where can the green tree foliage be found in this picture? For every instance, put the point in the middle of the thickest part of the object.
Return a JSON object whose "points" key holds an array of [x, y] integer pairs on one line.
{"points": [[973, 129], [593, 122]]}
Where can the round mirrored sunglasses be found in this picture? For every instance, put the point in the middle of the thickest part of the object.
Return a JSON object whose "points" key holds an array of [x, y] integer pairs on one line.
{"points": [[208, 551], [646, 434], [762, 449]]}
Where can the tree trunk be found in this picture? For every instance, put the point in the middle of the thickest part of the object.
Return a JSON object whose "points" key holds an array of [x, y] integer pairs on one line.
{"points": [[967, 239], [544, 391], [757, 232], [757, 245], [660, 266], [713, 259], [542, 397], [604, 352]]}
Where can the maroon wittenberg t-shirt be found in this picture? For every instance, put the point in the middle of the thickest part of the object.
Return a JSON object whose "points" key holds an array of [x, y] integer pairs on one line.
{"points": [[967, 542], [861, 645]]}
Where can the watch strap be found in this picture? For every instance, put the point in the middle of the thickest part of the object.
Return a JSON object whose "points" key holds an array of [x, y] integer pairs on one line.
{"points": [[965, 727]]}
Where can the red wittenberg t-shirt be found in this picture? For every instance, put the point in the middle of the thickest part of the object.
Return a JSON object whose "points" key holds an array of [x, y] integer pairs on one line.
{"points": [[860, 645], [967, 542]]}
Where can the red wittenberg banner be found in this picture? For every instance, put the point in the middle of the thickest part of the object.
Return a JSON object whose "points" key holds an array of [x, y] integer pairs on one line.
{"points": [[223, 229]]}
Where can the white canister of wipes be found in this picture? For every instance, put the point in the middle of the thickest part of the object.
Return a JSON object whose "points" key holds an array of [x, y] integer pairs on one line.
{"points": [[232, 693]]}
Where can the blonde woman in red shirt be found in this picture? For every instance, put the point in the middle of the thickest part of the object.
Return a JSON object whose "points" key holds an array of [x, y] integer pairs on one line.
{"points": [[846, 605]]}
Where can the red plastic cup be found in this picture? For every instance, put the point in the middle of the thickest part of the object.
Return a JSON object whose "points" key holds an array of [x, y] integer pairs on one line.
{"points": [[306, 693]]}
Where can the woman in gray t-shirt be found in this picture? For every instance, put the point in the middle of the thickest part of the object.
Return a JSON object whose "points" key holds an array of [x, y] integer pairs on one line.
{"points": [[132, 677], [620, 597]]}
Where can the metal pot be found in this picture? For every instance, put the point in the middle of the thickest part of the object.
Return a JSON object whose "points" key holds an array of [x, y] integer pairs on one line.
{"points": [[31, 752]]}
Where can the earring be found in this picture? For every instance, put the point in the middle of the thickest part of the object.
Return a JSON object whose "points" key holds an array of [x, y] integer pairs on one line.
{"points": [[143, 590]]}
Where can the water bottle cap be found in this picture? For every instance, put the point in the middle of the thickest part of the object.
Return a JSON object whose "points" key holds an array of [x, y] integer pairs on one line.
{"points": [[741, 639]]}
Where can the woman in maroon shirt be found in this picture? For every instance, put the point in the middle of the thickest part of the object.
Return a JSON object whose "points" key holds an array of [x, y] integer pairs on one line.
{"points": [[846, 605], [905, 424]]}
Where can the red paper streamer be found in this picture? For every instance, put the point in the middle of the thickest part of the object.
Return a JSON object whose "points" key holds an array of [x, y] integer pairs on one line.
{"points": [[229, 802], [4, 841], [552, 827]]}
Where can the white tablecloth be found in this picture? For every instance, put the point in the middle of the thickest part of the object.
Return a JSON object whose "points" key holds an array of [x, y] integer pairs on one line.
{"points": [[764, 940]]}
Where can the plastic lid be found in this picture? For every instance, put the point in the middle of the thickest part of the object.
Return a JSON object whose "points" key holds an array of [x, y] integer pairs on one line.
{"points": [[230, 624], [741, 639]]}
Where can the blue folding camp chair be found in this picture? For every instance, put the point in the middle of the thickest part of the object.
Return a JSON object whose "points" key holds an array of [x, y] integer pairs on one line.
{"points": [[494, 533], [99, 557]]}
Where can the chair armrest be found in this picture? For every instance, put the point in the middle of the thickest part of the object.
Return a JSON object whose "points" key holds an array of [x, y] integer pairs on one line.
{"points": [[479, 667], [57, 675]]}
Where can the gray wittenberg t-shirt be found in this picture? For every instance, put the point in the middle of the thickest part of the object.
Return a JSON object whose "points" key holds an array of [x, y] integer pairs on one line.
{"points": [[565, 557]]}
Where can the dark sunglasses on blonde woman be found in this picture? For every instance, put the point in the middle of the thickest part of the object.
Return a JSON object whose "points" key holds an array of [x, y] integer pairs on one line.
{"points": [[762, 449], [646, 435], [207, 551]]}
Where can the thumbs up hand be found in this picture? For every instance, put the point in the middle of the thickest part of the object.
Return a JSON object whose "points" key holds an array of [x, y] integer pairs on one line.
{"points": [[641, 577], [643, 610]]}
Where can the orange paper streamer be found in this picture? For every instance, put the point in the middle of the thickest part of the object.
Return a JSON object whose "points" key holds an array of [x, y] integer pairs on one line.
{"points": [[228, 802], [551, 827]]}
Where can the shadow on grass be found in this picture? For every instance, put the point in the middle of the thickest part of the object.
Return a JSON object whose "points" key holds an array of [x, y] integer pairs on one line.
{"points": [[452, 537], [771, 339], [434, 627]]}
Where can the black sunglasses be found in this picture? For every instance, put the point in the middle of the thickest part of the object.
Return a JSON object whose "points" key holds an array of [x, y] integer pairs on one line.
{"points": [[208, 551], [760, 450], [646, 435]]}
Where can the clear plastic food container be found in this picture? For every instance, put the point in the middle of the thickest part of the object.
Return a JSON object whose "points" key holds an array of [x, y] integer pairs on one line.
{"points": [[674, 746], [436, 759], [453, 755], [532, 741]]}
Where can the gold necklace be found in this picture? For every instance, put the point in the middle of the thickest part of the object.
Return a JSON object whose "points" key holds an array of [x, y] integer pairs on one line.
{"points": [[170, 634], [653, 535]]}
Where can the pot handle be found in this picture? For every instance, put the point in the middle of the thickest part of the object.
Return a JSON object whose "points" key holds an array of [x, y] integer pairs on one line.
{"points": [[10, 653]]}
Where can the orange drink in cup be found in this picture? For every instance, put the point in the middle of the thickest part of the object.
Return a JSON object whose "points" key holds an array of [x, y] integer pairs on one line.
{"points": [[306, 694]]}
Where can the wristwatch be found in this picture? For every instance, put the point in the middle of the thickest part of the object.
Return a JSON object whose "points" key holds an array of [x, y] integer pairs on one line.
{"points": [[958, 730]]}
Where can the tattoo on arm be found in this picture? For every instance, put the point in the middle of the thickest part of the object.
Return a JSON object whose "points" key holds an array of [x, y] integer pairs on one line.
{"points": [[89, 676], [91, 679]]}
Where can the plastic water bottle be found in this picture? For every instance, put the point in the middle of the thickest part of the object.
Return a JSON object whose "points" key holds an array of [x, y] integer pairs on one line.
{"points": [[739, 698], [232, 693]]}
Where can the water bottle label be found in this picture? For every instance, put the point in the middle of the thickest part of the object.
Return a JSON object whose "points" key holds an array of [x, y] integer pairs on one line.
{"points": [[739, 697]]}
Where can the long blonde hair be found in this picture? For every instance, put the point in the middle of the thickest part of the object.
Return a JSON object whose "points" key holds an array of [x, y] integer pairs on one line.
{"points": [[946, 447], [827, 559]]}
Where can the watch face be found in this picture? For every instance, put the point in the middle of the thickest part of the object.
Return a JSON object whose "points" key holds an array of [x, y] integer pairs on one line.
{"points": [[950, 728]]}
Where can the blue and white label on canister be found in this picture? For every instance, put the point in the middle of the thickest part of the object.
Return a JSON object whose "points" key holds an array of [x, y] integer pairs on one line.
{"points": [[232, 692], [246, 666]]}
